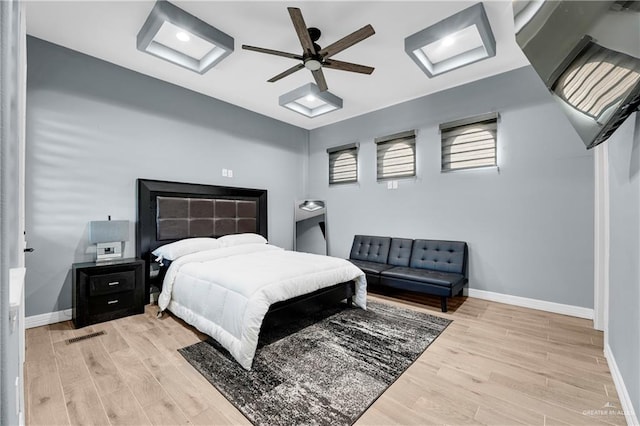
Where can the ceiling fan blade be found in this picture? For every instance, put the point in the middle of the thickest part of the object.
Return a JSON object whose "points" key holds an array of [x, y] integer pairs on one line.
{"points": [[272, 52], [348, 41], [301, 30], [320, 81], [286, 73], [347, 66]]}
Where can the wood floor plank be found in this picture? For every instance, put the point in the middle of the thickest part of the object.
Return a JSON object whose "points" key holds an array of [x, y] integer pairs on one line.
{"points": [[122, 408], [61, 331], [181, 390], [45, 400], [83, 403], [488, 416], [214, 416], [164, 411], [103, 371], [112, 340], [495, 364], [38, 346], [146, 388], [71, 365], [454, 381]]}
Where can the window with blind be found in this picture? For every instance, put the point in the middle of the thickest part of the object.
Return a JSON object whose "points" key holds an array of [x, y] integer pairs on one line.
{"points": [[469, 143], [343, 164], [597, 79], [396, 155]]}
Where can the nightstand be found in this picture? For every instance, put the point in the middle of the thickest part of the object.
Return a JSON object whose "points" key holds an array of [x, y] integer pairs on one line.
{"points": [[104, 291]]}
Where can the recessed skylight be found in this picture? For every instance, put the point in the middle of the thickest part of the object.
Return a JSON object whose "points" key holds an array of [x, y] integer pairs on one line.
{"points": [[182, 36], [172, 34], [182, 41], [308, 100], [452, 45], [456, 41]]}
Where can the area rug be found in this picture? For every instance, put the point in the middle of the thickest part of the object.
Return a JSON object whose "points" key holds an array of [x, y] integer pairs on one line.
{"points": [[324, 370]]}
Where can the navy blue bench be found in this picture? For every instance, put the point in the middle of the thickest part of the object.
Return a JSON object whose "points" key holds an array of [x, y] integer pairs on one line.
{"points": [[434, 267]]}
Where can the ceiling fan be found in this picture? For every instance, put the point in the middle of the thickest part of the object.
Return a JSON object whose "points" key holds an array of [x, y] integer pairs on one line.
{"points": [[313, 56]]}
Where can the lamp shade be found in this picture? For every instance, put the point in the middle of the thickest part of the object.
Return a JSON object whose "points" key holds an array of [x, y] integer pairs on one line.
{"points": [[108, 231]]}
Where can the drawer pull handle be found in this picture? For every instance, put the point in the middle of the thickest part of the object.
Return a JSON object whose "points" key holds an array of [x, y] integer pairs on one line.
{"points": [[114, 283], [111, 302]]}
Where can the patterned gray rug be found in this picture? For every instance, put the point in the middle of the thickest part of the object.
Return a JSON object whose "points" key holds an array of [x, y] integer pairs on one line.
{"points": [[325, 370]]}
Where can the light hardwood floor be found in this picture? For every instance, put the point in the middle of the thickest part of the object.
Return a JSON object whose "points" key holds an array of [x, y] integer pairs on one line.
{"points": [[495, 364]]}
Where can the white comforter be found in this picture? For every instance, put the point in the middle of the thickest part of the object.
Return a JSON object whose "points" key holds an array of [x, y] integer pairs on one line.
{"points": [[226, 292]]}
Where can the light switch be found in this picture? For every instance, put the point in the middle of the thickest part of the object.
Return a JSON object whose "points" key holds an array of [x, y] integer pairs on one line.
{"points": [[389, 185], [230, 173], [395, 184], [225, 172]]}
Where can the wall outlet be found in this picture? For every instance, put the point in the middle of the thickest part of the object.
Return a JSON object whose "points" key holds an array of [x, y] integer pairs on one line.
{"points": [[389, 185], [230, 173], [394, 184], [225, 172]]}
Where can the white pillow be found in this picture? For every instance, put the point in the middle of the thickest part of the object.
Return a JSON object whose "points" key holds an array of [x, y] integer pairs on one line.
{"points": [[238, 239], [172, 251]]}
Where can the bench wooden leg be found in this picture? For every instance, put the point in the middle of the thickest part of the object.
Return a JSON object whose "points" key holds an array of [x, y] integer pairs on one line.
{"points": [[443, 303], [350, 301]]}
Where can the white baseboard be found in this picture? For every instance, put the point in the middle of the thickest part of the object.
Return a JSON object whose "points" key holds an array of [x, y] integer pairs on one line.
{"points": [[46, 319], [625, 399], [525, 302]]}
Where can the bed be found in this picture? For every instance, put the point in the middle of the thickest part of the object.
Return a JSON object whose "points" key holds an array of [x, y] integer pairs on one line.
{"points": [[228, 290]]}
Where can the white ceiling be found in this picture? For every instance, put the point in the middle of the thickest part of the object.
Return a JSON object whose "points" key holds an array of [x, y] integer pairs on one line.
{"points": [[108, 30]]}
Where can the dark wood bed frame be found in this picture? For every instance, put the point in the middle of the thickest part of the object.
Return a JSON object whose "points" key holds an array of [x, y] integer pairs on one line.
{"points": [[148, 238]]}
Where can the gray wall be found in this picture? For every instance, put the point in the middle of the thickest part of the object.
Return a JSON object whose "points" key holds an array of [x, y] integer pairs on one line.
{"points": [[624, 255], [529, 226], [93, 128]]}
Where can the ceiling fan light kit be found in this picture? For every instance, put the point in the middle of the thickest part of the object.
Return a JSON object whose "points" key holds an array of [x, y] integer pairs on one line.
{"points": [[456, 41], [310, 101], [176, 36]]}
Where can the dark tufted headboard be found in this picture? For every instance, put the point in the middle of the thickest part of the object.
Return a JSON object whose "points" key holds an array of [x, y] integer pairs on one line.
{"points": [[185, 217], [170, 211]]}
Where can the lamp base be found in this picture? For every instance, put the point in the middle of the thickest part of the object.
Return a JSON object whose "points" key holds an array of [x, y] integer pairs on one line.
{"points": [[109, 251]]}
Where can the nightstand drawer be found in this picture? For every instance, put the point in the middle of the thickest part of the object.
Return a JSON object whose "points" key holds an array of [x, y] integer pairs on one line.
{"points": [[112, 283], [111, 302]]}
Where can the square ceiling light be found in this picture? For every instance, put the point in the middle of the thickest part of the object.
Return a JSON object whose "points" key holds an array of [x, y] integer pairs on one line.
{"points": [[308, 100], [454, 42], [172, 34]]}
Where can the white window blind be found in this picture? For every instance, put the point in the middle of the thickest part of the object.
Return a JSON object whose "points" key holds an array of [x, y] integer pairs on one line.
{"points": [[396, 155], [343, 164], [597, 79], [469, 143]]}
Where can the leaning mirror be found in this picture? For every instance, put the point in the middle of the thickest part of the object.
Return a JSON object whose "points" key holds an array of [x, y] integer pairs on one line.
{"points": [[310, 227]]}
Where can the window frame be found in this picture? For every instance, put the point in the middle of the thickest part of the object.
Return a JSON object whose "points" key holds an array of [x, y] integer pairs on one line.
{"points": [[409, 137], [490, 119], [336, 152]]}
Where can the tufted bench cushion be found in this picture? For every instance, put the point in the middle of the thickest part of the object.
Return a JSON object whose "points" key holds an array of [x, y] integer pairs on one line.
{"points": [[371, 269], [423, 276]]}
